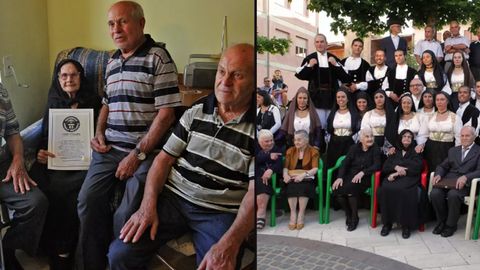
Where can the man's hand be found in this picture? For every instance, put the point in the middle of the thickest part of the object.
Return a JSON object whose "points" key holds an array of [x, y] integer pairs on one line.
{"points": [[461, 182], [127, 167], [357, 179], [332, 61], [338, 183], [138, 223], [21, 180], [436, 179], [42, 156], [312, 62], [394, 97], [221, 256], [274, 156], [419, 148], [353, 87], [98, 143]]}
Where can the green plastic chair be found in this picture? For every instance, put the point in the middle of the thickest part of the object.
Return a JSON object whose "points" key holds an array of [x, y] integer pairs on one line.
{"points": [[477, 221], [277, 190], [330, 171]]}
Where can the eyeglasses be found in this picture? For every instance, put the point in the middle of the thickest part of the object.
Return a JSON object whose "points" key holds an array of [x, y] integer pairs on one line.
{"points": [[64, 76]]}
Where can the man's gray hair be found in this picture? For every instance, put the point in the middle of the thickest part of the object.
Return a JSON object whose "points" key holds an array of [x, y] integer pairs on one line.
{"points": [[264, 133], [321, 35], [472, 130], [137, 10]]}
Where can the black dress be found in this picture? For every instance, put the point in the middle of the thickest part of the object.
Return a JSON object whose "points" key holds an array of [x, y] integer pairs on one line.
{"points": [[399, 199], [264, 162], [306, 188], [356, 161]]}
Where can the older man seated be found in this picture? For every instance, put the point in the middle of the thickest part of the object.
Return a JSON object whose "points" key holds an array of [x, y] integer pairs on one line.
{"points": [[463, 164]]}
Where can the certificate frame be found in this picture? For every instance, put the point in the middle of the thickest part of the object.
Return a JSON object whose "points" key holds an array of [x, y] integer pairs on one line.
{"points": [[69, 134]]}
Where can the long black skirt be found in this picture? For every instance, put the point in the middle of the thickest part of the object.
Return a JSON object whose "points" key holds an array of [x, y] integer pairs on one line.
{"points": [[436, 152], [353, 189], [399, 201], [260, 187]]}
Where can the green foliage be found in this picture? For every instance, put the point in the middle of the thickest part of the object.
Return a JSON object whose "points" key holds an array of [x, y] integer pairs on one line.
{"points": [[273, 45], [363, 16]]}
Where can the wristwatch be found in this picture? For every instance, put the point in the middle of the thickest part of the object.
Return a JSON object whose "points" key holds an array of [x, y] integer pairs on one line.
{"points": [[139, 154]]}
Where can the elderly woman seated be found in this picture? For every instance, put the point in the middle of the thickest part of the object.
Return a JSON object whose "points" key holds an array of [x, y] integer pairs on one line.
{"points": [[398, 193], [301, 165], [267, 162], [362, 160]]}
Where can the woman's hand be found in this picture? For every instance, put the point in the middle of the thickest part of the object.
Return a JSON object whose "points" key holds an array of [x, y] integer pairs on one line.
{"points": [[391, 151], [392, 177], [42, 156], [338, 183], [357, 179], [419, 148], [299, 178], [286, 178], [266, 176], [402, 171]]}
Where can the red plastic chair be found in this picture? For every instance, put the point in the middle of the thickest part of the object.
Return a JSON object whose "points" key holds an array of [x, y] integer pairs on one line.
{"points": [[423, 182]]}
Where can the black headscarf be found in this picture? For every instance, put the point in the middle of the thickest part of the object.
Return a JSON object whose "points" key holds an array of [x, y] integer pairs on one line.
{"points": [[86, 97], [400, 146], [438, 72], [390, 132]]}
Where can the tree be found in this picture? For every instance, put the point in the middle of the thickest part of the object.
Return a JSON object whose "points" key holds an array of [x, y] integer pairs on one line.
{"points": [[273, 45], [363, 16]]}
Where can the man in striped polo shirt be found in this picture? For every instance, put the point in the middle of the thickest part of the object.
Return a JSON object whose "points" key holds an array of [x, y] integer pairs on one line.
{"points": [[138, 108], [202, 180]]}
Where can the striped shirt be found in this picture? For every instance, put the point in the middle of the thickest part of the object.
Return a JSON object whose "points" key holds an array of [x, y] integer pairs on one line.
{"points": [[215, 160], [136, 88], [8, 121]]}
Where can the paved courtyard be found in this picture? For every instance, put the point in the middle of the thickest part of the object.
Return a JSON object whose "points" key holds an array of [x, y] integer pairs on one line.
{"points": [[422, 250]]}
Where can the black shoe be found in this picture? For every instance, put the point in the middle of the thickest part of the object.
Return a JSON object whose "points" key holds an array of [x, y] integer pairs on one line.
{"points": [[11, 262], [439, 228], [405, 232], [449, 231], [348, 220], [60, 263], [353, 225], [386, 229]]}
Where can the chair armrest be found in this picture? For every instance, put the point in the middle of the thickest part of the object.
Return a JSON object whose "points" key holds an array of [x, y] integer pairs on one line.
{"points": [[430, 183]]}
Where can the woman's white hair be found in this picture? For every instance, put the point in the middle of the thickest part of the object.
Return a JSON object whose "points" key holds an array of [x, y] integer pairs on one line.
{"points": [[264, 133], [365, 131], [302, 133]]}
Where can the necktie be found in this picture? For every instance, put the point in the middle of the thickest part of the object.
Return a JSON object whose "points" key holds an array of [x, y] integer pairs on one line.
{"points": [[464, 151]]}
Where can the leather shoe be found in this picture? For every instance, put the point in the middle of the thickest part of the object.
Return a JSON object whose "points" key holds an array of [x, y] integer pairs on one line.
{"points": [[439, 228], [386, 229], [353, 225], [449, 231], [405, 233]]}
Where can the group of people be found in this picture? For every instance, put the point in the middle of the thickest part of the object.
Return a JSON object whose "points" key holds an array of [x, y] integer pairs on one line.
{"points": [[193, 174], [387, 117]]}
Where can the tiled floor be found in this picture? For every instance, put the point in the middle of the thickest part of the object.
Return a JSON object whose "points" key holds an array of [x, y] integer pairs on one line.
{"points": [[423, 249]]}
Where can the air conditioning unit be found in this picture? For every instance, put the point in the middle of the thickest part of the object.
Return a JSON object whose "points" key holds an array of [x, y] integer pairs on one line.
{"points": [[201, 74]]}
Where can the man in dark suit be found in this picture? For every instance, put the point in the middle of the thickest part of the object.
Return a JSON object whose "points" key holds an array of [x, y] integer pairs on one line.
{"points": [[467, 112], [322, 71], [462, 163], [393, 42], [474, 59]]}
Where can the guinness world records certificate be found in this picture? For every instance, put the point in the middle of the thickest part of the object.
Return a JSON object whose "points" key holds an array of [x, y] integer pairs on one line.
{"points": [[69, 135]]}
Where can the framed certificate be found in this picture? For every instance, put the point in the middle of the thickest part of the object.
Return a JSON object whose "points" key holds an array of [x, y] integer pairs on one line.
{"points": [[69, 135]]}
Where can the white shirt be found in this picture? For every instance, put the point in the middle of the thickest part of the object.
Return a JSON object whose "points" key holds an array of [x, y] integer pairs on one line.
{"points": [[432, 45], [374, 121], [466, 150], [342, 120], [353, 63], [416, 101], [396, 40], [400, 74], [451, 126], [454, 41], [301, 123], [378, 72], [477, 103], [413, 125], [429, 77], [322, 62]]}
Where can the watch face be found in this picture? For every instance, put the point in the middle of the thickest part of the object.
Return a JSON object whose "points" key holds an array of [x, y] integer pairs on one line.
{"points": [[141, 156]]}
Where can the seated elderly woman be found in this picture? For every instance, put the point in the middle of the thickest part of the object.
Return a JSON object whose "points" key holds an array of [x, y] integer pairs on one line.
{"points": [[398, 193], [362, 160], [301, 165], [267, 162], [69, 90]]}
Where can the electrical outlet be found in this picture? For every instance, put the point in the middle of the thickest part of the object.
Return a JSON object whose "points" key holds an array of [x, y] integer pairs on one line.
{"points": [[7, 62]]}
